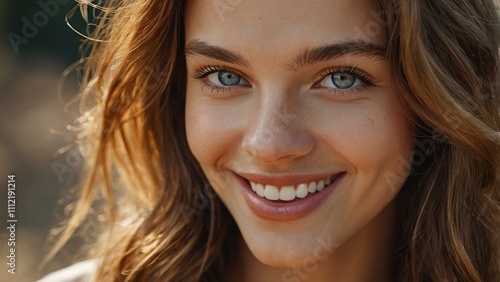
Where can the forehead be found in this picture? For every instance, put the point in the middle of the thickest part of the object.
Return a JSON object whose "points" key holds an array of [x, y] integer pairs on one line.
{"points": [[281, 24]]}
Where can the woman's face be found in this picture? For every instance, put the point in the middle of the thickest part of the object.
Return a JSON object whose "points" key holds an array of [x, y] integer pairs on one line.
{"points": [[283, 97]]}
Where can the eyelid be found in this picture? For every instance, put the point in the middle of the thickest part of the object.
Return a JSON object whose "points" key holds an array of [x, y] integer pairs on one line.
{"points": [[202, 73], [358, 73], [209, 69], [365, 78]]}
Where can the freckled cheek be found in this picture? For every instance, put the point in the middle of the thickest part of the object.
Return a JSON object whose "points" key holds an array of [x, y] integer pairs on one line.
{"points": [[211, 131], [375, 141]]}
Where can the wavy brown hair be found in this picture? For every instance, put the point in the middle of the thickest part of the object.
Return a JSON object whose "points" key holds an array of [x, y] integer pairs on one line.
{"points": [[448, 54], [162, 222]]}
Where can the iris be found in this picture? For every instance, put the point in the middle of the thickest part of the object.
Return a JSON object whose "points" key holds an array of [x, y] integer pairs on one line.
{"points": [[229, 78], [343, 80]]}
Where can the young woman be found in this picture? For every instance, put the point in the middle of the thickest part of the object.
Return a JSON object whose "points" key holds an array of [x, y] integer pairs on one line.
{"points": [[326, 140]]}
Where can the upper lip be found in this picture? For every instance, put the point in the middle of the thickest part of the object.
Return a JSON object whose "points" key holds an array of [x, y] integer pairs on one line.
{"points": [[282, 180]]}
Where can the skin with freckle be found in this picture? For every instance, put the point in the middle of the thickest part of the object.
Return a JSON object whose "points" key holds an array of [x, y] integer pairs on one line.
{"points": [[361, 130], [289, 140]]}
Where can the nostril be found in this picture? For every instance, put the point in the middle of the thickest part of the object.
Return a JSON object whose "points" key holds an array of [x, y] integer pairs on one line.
{"points": [[274, 149]]}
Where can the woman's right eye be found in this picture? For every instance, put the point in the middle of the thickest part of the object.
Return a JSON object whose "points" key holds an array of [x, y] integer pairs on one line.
{"points": [[226, 78]]}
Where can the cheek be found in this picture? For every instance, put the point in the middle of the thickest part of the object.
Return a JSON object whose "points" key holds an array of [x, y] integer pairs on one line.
{"points": [[211, 129], [200, 133], [374, 139]]}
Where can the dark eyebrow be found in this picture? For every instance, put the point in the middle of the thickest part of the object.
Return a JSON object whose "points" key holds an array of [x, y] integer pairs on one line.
{"points": [[307, 57], [332, 51], [202, 48]]}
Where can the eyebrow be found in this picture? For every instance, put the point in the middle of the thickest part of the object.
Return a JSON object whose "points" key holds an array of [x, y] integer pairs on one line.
{"points": [[307, 57], [202, 48], [335, 50]]}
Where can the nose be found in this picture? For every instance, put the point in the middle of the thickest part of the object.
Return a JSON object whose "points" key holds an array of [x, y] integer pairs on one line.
{"points": [[276, 132]]}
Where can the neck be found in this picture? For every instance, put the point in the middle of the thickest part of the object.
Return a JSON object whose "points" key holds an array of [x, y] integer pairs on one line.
{"points": [[366, 256]]}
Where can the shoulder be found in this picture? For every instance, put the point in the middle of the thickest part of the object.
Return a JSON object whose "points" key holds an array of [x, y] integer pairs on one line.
{"points": [[78, 272]]}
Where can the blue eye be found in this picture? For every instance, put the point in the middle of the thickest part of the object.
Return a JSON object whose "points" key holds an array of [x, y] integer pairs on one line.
{"points": [[226, 78], [340, 80]]}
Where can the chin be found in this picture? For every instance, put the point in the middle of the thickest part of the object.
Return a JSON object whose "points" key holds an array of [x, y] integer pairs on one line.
{"points": [[291, 252], [281, 258]]}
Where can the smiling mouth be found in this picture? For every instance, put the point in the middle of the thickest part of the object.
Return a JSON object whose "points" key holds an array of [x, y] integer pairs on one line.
{"points": [[287, 193]]}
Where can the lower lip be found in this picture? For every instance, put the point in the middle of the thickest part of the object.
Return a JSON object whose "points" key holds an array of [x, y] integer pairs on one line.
{"points": [[281, 211]]}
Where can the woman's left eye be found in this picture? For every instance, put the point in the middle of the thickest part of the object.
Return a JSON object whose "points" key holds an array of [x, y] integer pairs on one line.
{"points": [[226, 78], [340, 81]]}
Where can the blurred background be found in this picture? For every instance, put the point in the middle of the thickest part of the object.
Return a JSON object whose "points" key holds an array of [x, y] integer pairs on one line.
{"points": [[36, 46]]}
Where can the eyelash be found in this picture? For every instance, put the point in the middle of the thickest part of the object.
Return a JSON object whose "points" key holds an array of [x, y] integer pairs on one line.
{"points": [[366, 80], [206, 70]]}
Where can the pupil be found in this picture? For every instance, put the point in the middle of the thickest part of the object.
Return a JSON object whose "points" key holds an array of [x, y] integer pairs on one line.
{"points": [[343, 80], [228, 78]]}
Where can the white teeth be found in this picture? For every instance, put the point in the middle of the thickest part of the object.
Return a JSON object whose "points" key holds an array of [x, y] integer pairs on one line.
{"points": [[289, 192], [328, 181], [260, 190], [301, 191], [272, 193], [321, 185], [312, 187]]}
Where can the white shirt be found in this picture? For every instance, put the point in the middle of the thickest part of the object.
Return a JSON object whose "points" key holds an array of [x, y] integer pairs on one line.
{"points": [[78, 272]]}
